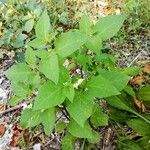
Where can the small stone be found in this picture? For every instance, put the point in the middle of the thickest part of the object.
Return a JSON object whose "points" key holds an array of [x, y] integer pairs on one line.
{"points": [[3, 96], [37, 146]]}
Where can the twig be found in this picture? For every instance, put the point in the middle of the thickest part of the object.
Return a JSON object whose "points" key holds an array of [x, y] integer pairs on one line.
{"points": [[49, 142], [81, 70], [65, 114], [42, 146], [135, 59], [12, 109], [58, 118], [106, 139]]}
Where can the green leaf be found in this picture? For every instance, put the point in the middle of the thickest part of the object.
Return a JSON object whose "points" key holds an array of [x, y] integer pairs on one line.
{"points": [[119, 115], [85, 25], [139, 126], [81, 108], [50, 67], [30, 56], [48, 118], [19, 40], [83, 60], [60, 126], [37, 43], [95, 139], [107, 60], [119, 80], [20, 57], [15, 100], [82, 132], [43, 54], [49, 95], [69, 92], [144, 142], [94, 43], [19, 72], [68, 142], [119, 103], [123, 104], [130, 91], [100, 87], [69, 42], [144, 93], [29, 25], [65, 77], [43, 27], [127, 144], [99, 118], [30, 118], [20, 89], [131, 71], [108, 26], [35, 81]]}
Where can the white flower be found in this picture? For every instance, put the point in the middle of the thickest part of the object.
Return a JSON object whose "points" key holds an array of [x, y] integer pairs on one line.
{"points": [[76, 85]]}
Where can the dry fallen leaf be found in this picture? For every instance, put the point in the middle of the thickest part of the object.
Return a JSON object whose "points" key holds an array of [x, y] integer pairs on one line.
{"points": [[2, 130], [108, 10], [139, 105], [146, 69], [133, 135], [26, 136], [137, 80], [142, 62], [16, 136], [2, 107]]}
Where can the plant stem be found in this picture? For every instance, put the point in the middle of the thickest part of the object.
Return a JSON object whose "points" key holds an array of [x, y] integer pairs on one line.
{"points": [[145, 119], [83, 144]]}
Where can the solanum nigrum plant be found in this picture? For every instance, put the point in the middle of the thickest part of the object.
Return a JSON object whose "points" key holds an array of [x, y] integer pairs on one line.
{"points": [[68, 73]]}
